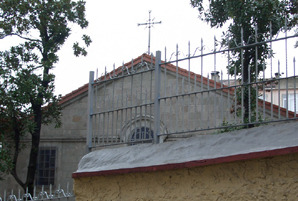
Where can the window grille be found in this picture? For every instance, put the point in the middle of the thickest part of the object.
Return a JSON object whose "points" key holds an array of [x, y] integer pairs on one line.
{"points": [[141, 134], [46, 166]]}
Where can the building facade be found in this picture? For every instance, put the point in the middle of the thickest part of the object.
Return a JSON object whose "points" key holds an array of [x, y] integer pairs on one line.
{"points": [[124, 114]]}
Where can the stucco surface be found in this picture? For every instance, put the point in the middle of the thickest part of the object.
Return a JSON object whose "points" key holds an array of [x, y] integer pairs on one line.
{"points": [[198, 148], [272, 178]]}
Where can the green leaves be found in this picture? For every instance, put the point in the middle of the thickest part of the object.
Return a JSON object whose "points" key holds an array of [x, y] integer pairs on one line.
{"points": [[250, 22], [87, 40], [27, 97], [5, 159], [81, 50], [250, 16]]}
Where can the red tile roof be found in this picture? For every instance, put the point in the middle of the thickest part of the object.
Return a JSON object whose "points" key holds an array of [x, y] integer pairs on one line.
{"points": [[145, 58], [181, 71]]}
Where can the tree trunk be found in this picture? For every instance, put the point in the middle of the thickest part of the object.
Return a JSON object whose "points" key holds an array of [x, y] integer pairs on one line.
{"points": [[32, 166]]}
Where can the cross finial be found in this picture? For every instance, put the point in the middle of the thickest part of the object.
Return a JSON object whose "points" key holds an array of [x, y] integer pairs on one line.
{"points": [[149, 24]]}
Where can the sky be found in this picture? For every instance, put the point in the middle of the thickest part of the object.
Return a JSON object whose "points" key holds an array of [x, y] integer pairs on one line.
{"points": [[117, 38]]}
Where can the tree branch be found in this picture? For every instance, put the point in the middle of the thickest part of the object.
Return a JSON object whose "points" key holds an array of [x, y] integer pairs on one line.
{"points": [[25, 38]]}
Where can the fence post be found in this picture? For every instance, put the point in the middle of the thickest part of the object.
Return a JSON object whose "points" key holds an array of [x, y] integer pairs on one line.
{"points": [[157, 97], [90, 112]]}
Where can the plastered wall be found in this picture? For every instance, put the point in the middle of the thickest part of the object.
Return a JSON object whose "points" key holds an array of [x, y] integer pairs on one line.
{"points": [[274, 178]]}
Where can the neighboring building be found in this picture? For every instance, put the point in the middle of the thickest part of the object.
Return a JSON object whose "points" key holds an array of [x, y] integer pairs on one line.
{"points": [[282, 92], [123, 122]]}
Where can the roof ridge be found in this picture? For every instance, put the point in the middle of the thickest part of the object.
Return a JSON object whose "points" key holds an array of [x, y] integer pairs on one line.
{"points": [[181, 71], [84, 88]]}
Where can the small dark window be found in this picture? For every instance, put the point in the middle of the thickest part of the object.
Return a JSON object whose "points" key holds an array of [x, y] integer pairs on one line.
{"points": [[46, 166], [141, 134]]}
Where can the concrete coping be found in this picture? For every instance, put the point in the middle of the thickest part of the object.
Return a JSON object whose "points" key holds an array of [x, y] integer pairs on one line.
{"points": [[258, 142]]}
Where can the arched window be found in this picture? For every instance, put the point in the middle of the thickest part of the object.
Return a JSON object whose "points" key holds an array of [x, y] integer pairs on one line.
{"points": [[141, 130], [141, 134]]}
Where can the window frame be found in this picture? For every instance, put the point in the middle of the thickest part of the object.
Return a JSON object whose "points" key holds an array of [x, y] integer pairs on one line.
{"points": [[289, 101], [141, 135], [46, 166]]}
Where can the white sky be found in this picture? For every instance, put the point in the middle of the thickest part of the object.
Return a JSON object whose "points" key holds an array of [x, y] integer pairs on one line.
{"points": [[117, 38]]}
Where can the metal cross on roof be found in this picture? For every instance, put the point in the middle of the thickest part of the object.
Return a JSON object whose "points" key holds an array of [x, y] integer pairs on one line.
{"points": [[149, 24]]}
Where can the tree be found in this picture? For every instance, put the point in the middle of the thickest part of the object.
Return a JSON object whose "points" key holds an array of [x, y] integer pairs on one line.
{"points": [[260, 18], [5, 160], [26, 83]]}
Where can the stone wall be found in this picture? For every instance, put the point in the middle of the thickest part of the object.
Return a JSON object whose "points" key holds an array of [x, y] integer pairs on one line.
{"points": [[272, 178], [69, 141], [122, 104]]}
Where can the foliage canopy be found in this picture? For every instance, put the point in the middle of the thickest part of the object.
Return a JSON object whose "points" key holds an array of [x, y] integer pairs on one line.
{"points": [[27, 97], [254, 18], [249, 22]]}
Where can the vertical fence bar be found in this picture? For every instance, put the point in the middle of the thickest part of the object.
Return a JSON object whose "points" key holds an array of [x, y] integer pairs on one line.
{"points": [[249, 95], [165, 75], [27, 194], [145, 115], [221, 97], [188, 125], [236, 96], [165, 90], [286, 55], [195, 102], [229, 107], [264, 93], [113, 108], [34, 192], [202, 98], [157, 97], [122, 110], [242, 73], [214, 81], [117, 108], [108, 120], [151, 98], [208, 105], [177, 87], [171, 119], [131, 101], [141, 101], [182, 108], [271, 64], [279, 90], [136, 117], [90, 112], [257, 73], [126, 113], [295, 96], [104, 108]]}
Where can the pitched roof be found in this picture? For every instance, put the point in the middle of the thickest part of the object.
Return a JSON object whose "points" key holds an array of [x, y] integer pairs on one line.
{"points": [[181, 71], [149, 59], [84, 88]]}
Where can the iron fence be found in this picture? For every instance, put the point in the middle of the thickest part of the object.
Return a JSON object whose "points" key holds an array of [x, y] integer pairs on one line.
{"points": [[149, 99], [39, 195]]}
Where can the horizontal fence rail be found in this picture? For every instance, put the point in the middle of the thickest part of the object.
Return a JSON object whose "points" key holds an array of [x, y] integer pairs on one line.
{"points": [[39, 195], [150, 100]]}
